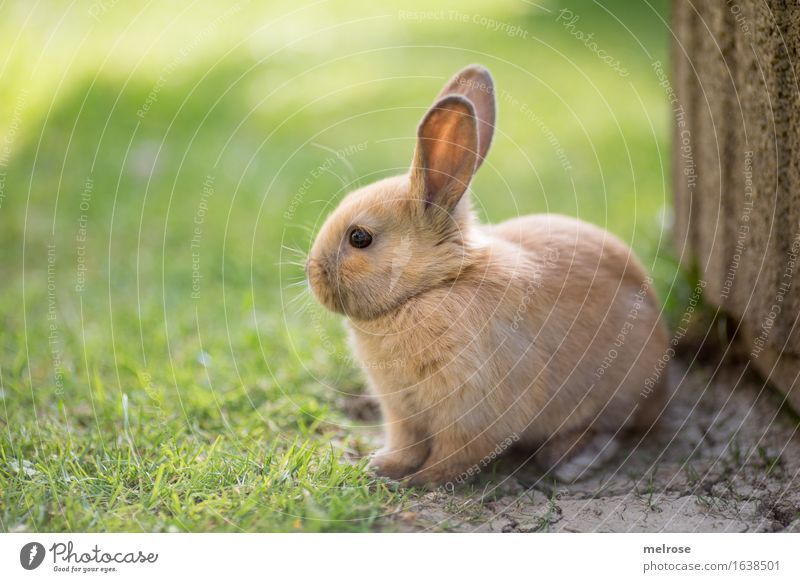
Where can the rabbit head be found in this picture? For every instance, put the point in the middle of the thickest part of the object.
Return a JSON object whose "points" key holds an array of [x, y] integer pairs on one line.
{"points": [[396, 238]]}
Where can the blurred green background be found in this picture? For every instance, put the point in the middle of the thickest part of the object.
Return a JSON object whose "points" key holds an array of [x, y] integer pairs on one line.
{"points": [[164, 165]]}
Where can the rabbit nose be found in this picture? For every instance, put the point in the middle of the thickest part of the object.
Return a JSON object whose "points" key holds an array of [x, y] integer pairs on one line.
{"points": [[316, 268]]}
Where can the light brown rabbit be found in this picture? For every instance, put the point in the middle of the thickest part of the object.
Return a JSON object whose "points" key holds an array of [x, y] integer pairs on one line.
{"points": [[543, 330]]}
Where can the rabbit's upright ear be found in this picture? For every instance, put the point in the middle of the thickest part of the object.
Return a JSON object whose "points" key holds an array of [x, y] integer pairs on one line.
{"points": [[476, 84], [447, 152]]}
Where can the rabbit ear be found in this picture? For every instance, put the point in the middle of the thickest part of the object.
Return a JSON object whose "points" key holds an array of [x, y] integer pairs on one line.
{"points": [[447, 152], [476, 84]]}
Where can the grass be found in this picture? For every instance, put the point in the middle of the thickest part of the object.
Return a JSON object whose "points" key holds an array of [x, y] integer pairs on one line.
{"points": [[164, 168]]}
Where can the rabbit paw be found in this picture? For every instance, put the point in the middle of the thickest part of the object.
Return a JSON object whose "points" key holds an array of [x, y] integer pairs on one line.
{"points": [[394, 464], [432, 475]]}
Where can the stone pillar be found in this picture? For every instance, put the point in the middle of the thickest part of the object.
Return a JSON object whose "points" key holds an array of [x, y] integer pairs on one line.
{"points": [[736, 173]]}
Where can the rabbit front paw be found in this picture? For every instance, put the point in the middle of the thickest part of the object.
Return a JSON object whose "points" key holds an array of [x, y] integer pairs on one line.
{"points": [[394, 464], [441, 473]]}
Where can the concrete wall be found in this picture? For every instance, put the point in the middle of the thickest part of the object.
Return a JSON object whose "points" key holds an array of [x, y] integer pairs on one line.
{"points": [[737, 169]]}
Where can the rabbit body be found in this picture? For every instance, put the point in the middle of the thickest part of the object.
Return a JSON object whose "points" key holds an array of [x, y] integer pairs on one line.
{"points": [[515, 349], [543, 330]]}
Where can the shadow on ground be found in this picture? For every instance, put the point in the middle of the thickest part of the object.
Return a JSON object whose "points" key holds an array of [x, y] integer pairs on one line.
{"points": [[726, 458]]}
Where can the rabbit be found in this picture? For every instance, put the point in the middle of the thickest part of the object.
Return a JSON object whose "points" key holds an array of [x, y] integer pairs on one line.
{"points": [[543, 332]]}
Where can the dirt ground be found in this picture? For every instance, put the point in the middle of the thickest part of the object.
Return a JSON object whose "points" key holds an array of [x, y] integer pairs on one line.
{"points": [[726, 458]]}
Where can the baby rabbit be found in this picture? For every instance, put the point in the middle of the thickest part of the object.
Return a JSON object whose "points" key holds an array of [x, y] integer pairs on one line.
{"points": [[542, 330]]}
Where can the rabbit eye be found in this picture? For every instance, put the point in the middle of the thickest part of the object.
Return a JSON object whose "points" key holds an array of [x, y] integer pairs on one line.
{"points": [[360, 238]]}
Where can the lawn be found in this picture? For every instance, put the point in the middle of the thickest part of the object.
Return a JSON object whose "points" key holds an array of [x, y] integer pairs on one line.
{"points": [[162, 170]]}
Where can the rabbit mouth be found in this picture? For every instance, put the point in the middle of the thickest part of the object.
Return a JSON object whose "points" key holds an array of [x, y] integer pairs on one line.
{"points": [[323, 286]]}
